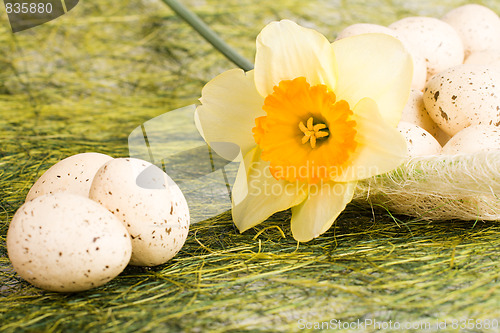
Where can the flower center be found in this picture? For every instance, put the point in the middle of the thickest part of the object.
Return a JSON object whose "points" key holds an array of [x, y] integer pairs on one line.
{"points": [[307, 135], [313, 132]]}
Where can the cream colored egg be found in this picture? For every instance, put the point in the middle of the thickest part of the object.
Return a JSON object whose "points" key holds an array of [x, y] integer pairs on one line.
{"points": [[441, 136], [490, 58], [415, 113], [149, 204], [462, 96], [436, 40], [364, 28], [67, 243], [419, 64], [419, 142], [473, 139], [73, 175], [477, 26]]}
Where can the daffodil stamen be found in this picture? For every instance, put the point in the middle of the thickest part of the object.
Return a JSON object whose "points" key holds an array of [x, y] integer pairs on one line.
{"points": [[312, 132], [307, 134], [322, 116]]}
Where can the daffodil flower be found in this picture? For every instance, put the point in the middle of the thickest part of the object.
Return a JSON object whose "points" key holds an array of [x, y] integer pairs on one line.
{"points": [[311, 120]]}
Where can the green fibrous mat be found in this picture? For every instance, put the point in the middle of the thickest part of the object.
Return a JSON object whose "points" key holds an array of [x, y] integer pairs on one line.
{"points": [[85, 81]]}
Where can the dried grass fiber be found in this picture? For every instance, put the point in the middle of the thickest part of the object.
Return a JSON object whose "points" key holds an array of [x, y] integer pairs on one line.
{"points": [[465, 187], [84, 81]]}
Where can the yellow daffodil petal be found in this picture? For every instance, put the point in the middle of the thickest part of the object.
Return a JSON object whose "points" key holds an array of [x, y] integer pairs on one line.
{"points": [[286, 51], [381, 148], [317, 213], [257, 194], [375, 66], [230, 104]]}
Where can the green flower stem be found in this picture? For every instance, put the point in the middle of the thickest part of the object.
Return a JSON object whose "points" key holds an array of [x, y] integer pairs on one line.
{"points": [[197, 24]]}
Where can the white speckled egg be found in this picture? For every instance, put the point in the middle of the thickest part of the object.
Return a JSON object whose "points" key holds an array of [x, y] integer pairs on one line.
{"points": [[419, 142], [436, 40], [477, 26], [490, 58], [364, 28], [67, 243], [149, 204], [419, 64], [473, 139], [415, 113], [73, 174], [462, 96]]}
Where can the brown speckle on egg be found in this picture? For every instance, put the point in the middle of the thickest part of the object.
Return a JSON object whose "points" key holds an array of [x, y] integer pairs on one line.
{"points": [[58, 259], [143, 210]]}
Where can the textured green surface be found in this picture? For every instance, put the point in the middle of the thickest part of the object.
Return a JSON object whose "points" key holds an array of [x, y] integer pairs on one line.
{"points": [[85, 81]]}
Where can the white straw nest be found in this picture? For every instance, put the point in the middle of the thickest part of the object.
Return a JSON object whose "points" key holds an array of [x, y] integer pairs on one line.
{"points": [[441, 187]]}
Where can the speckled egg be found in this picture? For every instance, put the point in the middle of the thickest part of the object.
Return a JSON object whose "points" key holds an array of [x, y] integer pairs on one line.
{"points": [[437, 41], [419, 64], [149, 204], [415, 113], [73, 175], [67, 243], [364, 28], [418, 141], [462, 96], [473, 139], [477, 26], [490, 58]]}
